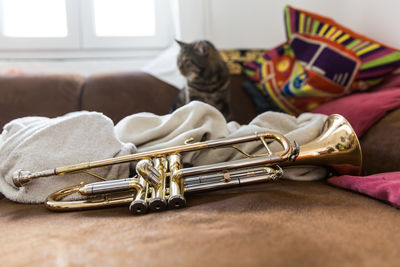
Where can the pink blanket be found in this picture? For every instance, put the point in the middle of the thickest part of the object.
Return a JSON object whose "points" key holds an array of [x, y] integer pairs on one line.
{"points": [[363, 110], [383, 186]]}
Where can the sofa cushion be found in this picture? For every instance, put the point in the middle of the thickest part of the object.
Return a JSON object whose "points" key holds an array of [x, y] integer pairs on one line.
{"points": [[273, 224], [38, 95], [118, 95], [243, 109], [380, 145]]}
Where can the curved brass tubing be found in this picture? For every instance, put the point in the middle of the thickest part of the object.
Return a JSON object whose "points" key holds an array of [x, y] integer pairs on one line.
{"points": [[55, 200]]}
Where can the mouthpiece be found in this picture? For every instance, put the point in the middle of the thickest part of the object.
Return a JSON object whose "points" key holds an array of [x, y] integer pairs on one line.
{"points": [[21, 178]]}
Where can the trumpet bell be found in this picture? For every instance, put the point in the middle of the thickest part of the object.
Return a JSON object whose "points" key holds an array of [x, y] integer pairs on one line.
{"points": [[336, 147]]}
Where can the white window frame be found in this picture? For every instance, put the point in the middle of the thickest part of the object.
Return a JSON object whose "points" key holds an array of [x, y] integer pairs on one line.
{"points": [[81, 40]]}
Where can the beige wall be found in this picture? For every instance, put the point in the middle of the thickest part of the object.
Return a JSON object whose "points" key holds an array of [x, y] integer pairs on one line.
{"points": [[259, 23], [233, 24]]}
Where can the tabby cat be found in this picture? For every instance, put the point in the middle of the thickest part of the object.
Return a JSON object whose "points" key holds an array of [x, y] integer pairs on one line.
{"points": [[206, 74]]}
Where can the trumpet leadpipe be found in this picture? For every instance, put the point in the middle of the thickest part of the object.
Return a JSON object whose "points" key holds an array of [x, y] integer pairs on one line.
{"points": [[21, 177]]}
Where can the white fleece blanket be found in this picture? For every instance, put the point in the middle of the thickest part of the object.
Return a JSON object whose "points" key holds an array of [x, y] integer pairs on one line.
{"points": [[39, 143]]}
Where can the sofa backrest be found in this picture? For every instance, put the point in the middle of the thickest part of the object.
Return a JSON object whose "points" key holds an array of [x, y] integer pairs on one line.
{"points": [[38, 95], [115, 94], [118, 95]]}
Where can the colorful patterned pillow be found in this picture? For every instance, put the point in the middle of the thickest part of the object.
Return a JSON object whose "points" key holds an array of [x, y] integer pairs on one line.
{"points": [[320, 60]]}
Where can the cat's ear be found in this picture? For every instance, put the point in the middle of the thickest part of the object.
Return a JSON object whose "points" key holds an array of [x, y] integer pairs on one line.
{"points": [[202, 48], [180, 43]]}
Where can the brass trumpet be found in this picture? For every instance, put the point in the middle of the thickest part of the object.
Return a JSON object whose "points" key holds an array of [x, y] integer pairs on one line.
{"points": [[161, 182]]}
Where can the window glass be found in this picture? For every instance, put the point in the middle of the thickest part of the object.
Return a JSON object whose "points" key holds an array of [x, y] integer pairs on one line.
{"points": [[34, 18], [124, 17]]}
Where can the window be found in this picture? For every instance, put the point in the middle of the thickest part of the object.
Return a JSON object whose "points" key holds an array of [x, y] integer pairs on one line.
{"points": [[30, 21], [75, 25], [116, 18], [126, 23]]}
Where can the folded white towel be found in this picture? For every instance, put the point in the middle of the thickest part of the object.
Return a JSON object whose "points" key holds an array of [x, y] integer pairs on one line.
{"points": [[38, 143], [203, 122]]}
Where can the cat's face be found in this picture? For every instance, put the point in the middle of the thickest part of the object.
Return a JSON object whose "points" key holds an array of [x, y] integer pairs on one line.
{"points": [[196, 57]]}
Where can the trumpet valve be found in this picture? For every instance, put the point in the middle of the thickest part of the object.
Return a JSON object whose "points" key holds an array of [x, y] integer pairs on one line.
{"points": [[146, 170], [138, 207], [176, 199], [157, 204], [176, 202]]}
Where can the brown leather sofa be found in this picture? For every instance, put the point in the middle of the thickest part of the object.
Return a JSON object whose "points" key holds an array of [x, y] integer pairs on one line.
{"points": [[118, 95], [279, 224]]}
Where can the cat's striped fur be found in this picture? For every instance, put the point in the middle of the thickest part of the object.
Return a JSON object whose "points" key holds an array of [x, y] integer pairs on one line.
{"points": [[207, 76]]}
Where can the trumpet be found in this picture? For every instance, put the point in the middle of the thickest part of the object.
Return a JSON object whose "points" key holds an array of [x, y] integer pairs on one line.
{"points": [[161, 182]]}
